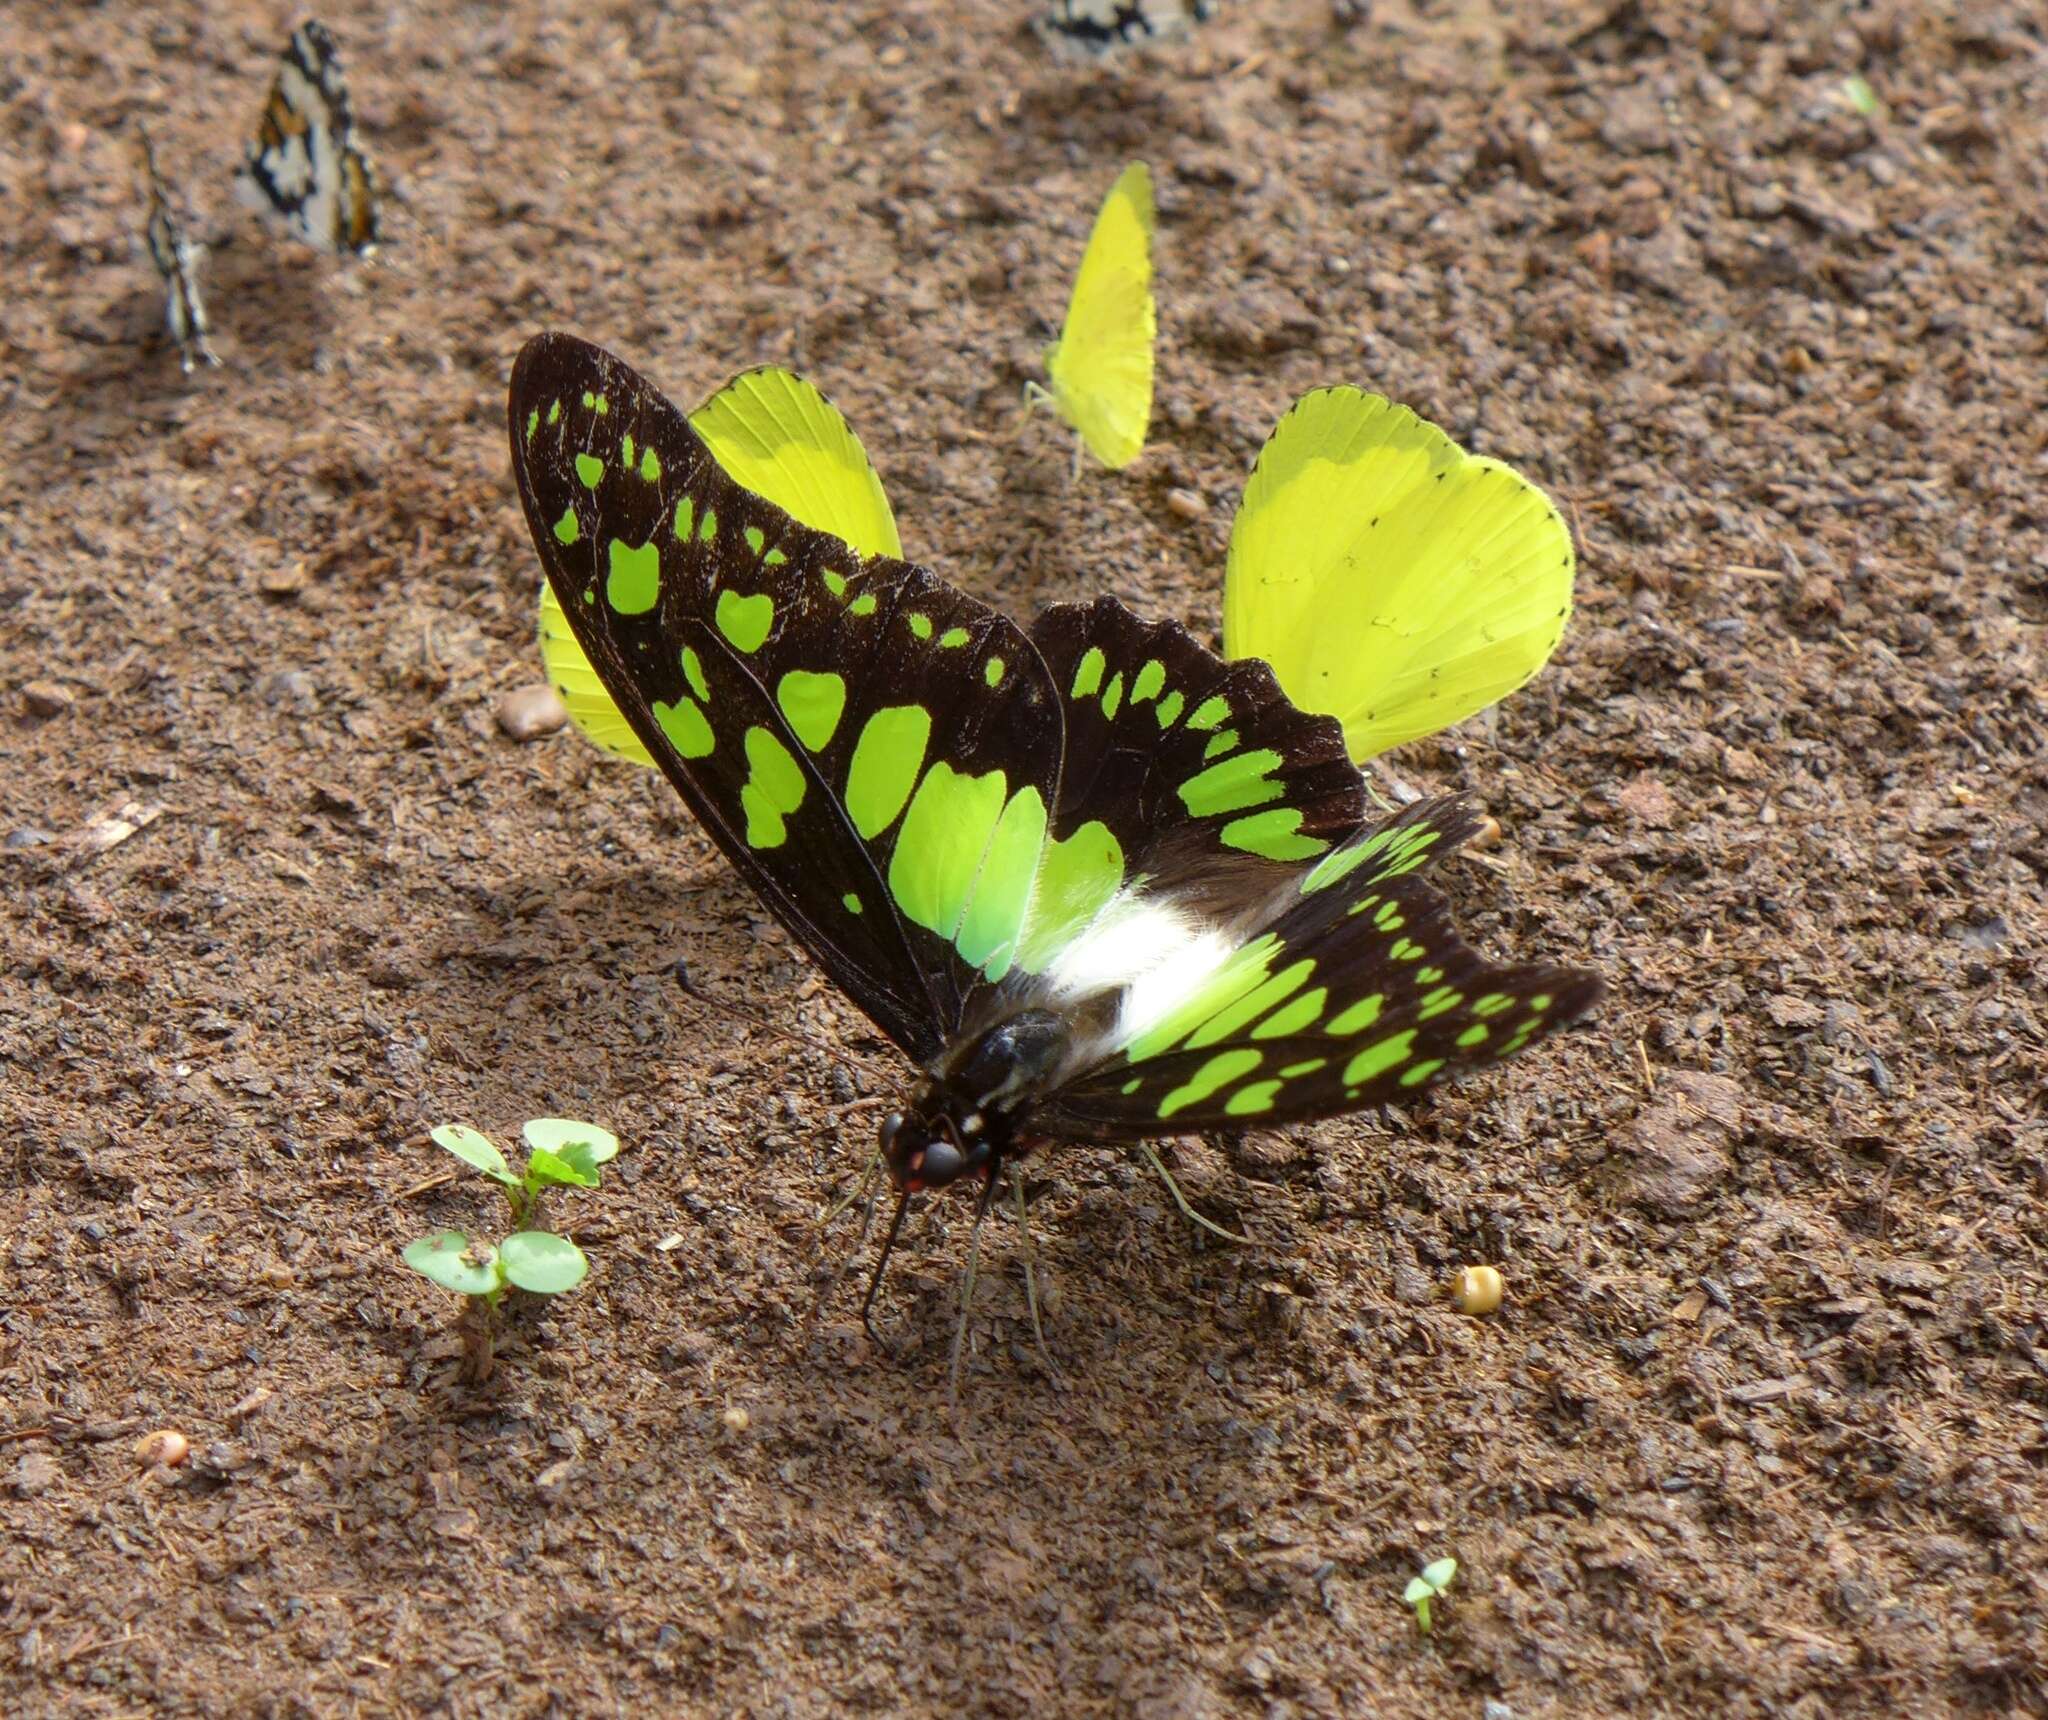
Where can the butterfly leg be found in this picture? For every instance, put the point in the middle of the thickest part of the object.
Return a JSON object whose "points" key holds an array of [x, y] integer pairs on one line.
{"points": [[1030, 1275], [981, 1206], [1180, 1200], [867, 1306]]}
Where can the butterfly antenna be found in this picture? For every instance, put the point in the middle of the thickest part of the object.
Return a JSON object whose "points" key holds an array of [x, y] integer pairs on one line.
{"points": [[1180, 1200], [1030, 1280], [988, 1196], [867, 1307]]}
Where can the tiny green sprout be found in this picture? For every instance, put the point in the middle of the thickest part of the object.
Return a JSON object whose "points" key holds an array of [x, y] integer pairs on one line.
{"points": [[1860, 96], [559, 1152], [1433, 1585]]}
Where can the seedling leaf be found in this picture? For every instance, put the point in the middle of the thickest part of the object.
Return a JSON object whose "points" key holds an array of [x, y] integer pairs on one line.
{"points": [[1439, 1574], [557, 1134], [542, 1262], [475, 1151], [1417, 1591], [454, 1262], [544, 1167]]}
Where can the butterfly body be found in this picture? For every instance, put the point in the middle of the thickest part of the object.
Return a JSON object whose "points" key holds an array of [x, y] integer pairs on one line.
{"points": [[1096, 883]]}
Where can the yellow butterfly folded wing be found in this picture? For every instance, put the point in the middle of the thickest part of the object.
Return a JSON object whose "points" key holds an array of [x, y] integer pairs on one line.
{"points": [[1391, 579], [779, 437], [1101, 366]]}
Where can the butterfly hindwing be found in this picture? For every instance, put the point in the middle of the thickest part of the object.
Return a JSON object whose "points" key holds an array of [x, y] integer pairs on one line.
{"points": [[1390, 578], [776, 435], [1357, 990], [875, 752], [1189, 760], [304, 167]]}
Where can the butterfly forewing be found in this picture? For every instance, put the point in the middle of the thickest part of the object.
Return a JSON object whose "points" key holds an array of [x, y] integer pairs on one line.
{"points": [[1356, 990], [877, 753]]}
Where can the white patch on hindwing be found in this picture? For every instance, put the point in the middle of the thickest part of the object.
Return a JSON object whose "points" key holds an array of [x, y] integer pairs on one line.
{"points": [[1156, 950]]}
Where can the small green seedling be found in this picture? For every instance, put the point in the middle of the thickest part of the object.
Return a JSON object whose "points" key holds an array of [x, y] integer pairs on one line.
{"points": [[1433, 1585], [558, 1152]]}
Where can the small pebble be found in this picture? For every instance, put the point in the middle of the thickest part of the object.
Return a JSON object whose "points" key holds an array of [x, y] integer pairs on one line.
{"points": [[1486, 836], [164, 1449], [527, 713], [1189, 504], [46, 699], [736, 1420], [1476, 1289], [282, 581]]}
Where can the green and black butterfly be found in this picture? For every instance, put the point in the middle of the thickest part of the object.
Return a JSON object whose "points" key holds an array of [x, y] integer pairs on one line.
{"points": [[1095, 882]]}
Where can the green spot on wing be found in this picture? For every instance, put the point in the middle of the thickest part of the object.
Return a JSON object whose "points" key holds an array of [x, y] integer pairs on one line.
{"points": [[1210, 713], [707, 532], [1113, 695], [1359, 1016], [773, 789], [1473, 1035], [1219, 744], [1233, 785], [634, 582], [1088, 672], [693, 670], [650, 465], [1272, 835], [811, 704], [686, 519], [920, 624], [744, 620], [1421, 1072], [532, 423], [1076, 879], [834, 582], [850, 902], [953, 638], [590, 469], [992, 671], [1149, 680], [687, 729], [1294, 1017], [1252, 1098], [989, 928], [1219, 1071], [1226, 1022], [1380, 1056], [1170, 708], [864, 604], [568, 528], [755, 538], [884, 767], [946, 830]]}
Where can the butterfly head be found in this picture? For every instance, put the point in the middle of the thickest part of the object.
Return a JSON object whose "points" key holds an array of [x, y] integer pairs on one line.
{"points": [[931, 1150]]}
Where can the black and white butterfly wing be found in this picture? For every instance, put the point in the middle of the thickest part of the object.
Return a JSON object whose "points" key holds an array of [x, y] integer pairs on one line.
{"points": [[304, 169]]}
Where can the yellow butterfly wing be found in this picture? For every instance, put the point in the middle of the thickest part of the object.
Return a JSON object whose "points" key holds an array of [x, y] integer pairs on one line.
{"points": [[1392, 580], [778, 436], [1101, 366]]}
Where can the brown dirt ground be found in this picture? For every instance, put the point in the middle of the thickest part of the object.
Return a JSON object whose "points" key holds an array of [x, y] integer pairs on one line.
{"points": [[1760, 1428]]}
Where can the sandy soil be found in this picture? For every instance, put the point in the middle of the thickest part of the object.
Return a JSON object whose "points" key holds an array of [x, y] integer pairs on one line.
{"points": [[1759, 1430]]}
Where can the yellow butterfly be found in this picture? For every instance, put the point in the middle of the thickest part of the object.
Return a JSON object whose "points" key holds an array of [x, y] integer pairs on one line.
{"points": [[1391, 579], [778, 436], [1101, 366]]}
